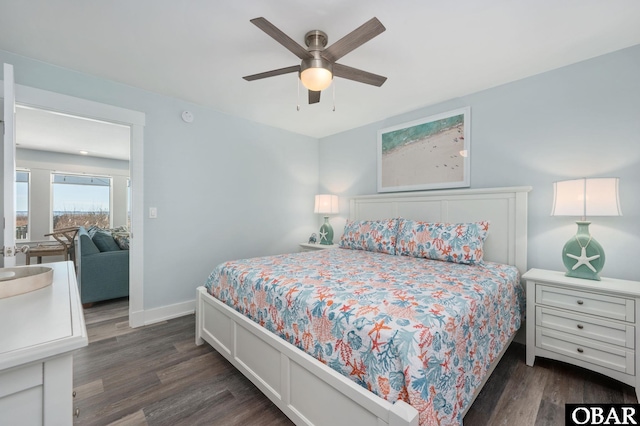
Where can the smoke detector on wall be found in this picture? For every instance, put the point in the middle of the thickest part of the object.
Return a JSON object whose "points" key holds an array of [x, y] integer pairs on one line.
{"points": [[187, 117]]}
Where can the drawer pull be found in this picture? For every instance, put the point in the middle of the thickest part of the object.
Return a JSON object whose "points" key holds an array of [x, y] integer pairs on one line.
{"points": [[77, 412], [580, 302], [74, 394], [580, 326], [580, 350]]}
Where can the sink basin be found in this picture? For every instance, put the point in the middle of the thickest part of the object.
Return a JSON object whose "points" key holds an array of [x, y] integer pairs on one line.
{"points": [[18, 280]]}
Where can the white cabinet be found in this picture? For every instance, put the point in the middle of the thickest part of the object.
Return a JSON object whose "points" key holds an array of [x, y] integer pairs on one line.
{"points": [[592, 324], [38, 332]]}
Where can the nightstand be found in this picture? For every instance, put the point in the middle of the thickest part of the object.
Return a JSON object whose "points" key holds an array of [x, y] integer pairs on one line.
{"points": [[314, 247], [592, 324]]}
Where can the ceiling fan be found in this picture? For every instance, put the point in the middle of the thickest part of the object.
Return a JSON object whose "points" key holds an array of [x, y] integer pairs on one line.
{"points": [[319, 65]]}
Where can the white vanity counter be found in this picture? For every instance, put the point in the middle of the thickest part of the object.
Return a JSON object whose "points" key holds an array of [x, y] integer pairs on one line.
{"points": [[38, 332]]}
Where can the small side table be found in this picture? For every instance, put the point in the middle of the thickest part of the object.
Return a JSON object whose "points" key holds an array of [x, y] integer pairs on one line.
{"points": [[316, 246], [46, 250], [65, 247]]}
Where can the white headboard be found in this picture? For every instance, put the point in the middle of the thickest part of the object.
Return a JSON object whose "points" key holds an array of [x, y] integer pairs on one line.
{"points": [[505, 208]]}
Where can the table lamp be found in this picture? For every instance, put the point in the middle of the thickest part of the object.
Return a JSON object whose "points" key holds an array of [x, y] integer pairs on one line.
{"points": [[582, 255], [326, 204]]}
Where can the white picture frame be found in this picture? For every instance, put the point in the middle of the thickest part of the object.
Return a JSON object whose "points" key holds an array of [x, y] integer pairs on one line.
{"points": [[429, 153]]}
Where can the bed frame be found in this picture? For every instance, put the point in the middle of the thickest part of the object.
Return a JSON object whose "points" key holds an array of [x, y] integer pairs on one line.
{"points": [[308, 391]]}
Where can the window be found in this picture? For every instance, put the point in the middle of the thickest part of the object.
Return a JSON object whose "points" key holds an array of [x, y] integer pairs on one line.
{"points": [[81, 200], [22, 205]]}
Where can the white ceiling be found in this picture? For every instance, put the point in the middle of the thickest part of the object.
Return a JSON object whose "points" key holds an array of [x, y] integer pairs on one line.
{"points": [[48, 131], [432, 50]]}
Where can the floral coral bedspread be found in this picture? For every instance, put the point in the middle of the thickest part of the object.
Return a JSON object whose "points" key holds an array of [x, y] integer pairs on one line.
{"points": [[419, 330]]}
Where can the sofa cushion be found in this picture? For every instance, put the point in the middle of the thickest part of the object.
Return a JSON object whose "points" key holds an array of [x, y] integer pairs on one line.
{"points": [[105, 242], [87, 246], [92, 230], [122, 240], [121, 235]]}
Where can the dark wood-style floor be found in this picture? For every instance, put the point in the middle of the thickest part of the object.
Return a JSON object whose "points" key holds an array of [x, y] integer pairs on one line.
{"points": [[156, 375]]}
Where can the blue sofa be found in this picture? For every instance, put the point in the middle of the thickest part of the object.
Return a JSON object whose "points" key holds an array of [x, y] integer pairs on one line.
{"points": [[103, 268]]}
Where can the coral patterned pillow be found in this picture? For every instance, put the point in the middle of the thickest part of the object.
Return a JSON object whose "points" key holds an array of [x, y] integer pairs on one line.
{"points": [[451, 242], [371, 235]]}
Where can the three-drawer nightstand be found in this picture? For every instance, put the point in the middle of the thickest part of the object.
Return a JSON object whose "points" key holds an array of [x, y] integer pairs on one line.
{"points": [[316, 246], [592, 324]]}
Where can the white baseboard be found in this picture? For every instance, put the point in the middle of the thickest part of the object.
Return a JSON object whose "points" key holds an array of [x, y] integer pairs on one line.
{"points": [[163, 313], [136, 319]]}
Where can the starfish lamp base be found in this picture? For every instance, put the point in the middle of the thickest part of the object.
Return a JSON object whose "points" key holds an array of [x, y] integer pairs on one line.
{"points": [[582, 255], [326, 232]]}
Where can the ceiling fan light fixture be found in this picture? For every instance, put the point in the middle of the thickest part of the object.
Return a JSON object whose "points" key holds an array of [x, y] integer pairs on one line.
{"points": [[316, 73], [316, 79]]}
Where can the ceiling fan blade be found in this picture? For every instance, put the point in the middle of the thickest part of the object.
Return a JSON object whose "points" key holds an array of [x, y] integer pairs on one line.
{"points": [[281, 38], [314, 97], [272, 73], [354, 39], [360, 76]]}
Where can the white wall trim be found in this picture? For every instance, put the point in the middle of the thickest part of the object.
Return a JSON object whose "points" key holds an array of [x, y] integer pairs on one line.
{"points": [[164, 313], [136, 254], [136, 317], [65, 104]]}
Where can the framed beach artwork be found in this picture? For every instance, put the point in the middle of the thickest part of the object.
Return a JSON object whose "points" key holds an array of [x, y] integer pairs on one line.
{"points": [[430, 153]]}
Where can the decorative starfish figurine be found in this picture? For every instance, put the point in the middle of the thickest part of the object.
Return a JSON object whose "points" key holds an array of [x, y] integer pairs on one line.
{"points": [[583, 259], [323, 235]]}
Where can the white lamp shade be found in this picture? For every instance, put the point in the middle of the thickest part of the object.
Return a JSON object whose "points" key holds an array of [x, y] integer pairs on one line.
{"points": [[586, 197], [316, 78], [326, 204]]}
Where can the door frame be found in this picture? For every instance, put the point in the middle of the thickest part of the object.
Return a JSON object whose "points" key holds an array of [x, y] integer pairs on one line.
{"points": [[9, 168], [57, 102]]}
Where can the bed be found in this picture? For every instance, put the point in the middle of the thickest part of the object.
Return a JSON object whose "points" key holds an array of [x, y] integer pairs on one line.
{"points": [[346, 307]]}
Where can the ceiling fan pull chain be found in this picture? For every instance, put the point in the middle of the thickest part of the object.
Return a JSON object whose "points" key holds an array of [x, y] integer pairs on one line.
{"points": [[334, 96], [298, 99]]}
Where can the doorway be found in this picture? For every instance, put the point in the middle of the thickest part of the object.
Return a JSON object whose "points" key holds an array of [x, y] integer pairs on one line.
{"points": [[38, 99], [77, 171]]}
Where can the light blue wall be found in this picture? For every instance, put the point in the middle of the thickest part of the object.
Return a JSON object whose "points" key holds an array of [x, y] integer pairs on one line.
{"points": [[582, 120], [224, 187]]}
